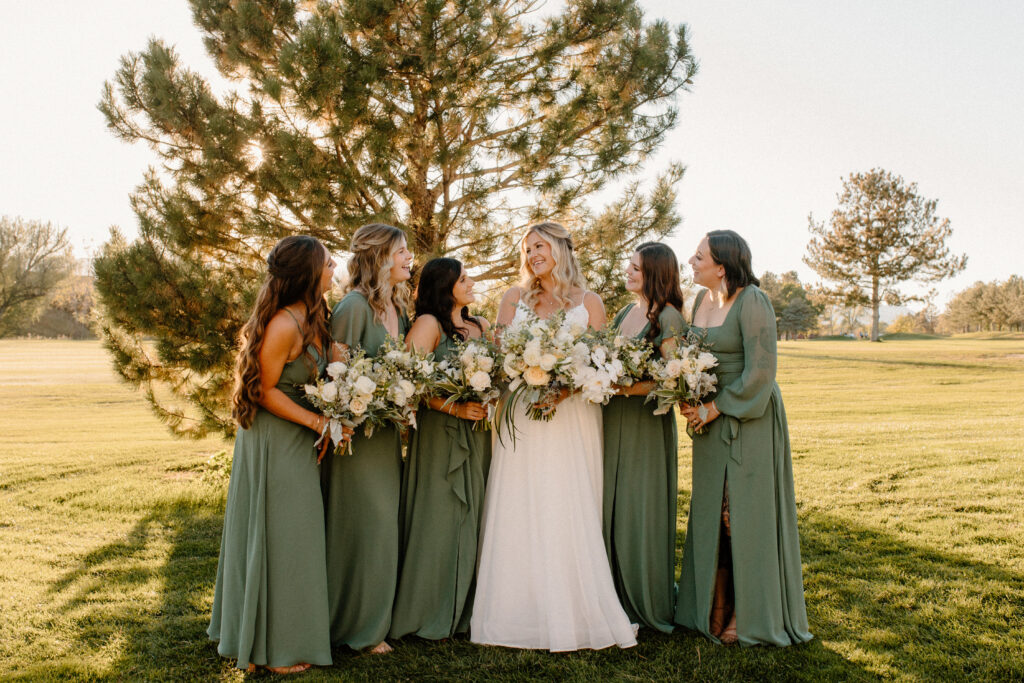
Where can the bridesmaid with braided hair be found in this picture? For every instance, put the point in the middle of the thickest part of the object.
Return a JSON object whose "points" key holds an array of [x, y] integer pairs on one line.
{"points": [[270, 601]]}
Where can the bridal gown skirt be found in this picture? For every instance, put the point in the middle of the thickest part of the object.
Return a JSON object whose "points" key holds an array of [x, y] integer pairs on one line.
{"points": [[543, 580]]}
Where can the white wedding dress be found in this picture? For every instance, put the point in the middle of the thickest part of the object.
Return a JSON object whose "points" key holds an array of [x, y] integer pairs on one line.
{"points": [[543, 579]]}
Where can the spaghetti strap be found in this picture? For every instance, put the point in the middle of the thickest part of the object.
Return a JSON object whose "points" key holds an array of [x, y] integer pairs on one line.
{"points": [[288, 311]]}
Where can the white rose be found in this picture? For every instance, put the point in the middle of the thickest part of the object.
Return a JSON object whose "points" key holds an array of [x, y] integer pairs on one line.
{"points": [[485, 363], [581, 352], [532, 354], [336, 369], [537, 329], [536, 376], [547, 361], [599, 355], [311, 390], [329, 392], [674, 367], [365, 385], [563, 337], [400, 397], [706, 361], [480, 380], [357, 406], [511, 366], [407, 387]]}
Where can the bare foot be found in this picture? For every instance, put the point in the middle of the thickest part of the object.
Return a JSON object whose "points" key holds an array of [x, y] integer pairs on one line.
{"points": [[381, 648]]}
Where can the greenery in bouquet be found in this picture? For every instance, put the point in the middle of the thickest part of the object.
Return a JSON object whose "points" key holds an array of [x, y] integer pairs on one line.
{"points": [[472, 373], [538, 357], [684, 375], [372, 392]]}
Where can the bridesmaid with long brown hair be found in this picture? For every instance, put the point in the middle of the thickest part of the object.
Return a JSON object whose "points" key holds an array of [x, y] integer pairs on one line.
{"points": [[270, 601], [640, 451], [362, 490]]}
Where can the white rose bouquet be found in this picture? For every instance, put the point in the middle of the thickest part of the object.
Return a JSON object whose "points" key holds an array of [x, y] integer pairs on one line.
{"points": [[371, 392], [472, 374], [683, 376], [597, 373]]}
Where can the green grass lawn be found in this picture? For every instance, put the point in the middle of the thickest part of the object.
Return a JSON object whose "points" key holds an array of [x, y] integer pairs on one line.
{"points": [[910, 486]]}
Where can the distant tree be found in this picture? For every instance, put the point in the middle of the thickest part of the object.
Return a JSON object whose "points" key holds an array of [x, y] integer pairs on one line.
{"points": [[462, 121], [882, 234], [34, 258], [987, 306], [795, 312]]}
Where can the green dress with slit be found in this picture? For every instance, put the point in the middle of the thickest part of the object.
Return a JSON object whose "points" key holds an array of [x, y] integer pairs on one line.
{"points": [[270, 600], [361, 500], [748, 445], [640, 472], [443, 499]]}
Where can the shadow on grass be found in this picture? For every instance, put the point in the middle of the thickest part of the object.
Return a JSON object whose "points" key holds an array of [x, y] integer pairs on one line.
{"points": [[889, 361], [107, 599], [878, 606], [919, 612]]}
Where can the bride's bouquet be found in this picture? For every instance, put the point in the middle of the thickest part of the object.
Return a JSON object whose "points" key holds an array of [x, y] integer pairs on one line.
{"points": [[472, 374], [539, 361], [371, 392], [683, 376]]}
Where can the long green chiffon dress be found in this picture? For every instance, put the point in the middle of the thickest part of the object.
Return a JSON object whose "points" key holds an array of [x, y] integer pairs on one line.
{"points": [[640, 472], [748, 446], [270, 601], [361, 500], [443, 499]]}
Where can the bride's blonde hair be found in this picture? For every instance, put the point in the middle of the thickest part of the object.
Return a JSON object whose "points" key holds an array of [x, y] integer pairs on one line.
{"points": [[566, 273], [373, 250]]}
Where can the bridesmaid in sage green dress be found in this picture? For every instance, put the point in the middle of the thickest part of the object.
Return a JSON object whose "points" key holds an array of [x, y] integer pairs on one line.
{"points": [[741, 579], [270, 601], [445, 472], [361, 489], [640, 451]]}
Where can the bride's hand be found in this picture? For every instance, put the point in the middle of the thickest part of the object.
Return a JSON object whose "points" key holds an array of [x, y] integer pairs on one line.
{"points": [[548, 407]]}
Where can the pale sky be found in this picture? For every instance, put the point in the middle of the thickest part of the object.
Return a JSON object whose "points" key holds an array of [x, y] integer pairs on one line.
{"points": [[791, 97]]}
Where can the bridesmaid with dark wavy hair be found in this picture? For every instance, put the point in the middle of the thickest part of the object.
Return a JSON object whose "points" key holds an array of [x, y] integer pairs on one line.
{"points": [[741, 580], [640, 451], [270, 601], [445, 472]]}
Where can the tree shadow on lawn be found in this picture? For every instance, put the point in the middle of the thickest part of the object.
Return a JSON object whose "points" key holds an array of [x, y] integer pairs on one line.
{"points": [[915, 611], [897, 609], [107, 601], [890, 361]]}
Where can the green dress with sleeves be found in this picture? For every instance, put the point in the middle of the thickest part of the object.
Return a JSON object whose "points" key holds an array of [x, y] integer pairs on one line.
{"points": [[270, 600], [640, 472], [361, 501], [748, 446], [443, 499]]}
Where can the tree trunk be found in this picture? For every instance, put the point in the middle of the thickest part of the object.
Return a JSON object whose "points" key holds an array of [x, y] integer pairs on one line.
{"points": [[874, 309]]}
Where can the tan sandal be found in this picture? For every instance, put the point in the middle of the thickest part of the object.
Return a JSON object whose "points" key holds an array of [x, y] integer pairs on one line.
{"points": [[381, 648], [281, 670], [728, 636]]}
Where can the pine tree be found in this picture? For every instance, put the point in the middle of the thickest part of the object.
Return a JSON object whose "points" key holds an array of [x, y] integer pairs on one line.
{"points": [[461, 120], [882, 234]]}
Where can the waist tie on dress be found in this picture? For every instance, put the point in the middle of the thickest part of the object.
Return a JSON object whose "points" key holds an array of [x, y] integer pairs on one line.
{"points": [[730, 431]]}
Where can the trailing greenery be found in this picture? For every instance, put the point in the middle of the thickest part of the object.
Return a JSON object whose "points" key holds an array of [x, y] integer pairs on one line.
{"points": [[462, 121], [908, 465]]}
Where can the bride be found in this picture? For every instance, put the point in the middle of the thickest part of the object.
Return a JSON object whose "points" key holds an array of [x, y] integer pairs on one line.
{"points": [[543, 579]]}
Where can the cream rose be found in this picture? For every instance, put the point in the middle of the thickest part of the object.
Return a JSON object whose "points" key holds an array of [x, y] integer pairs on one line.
{"points": [[536, 376], [336, 369], [357, 406], [547, 361]]}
